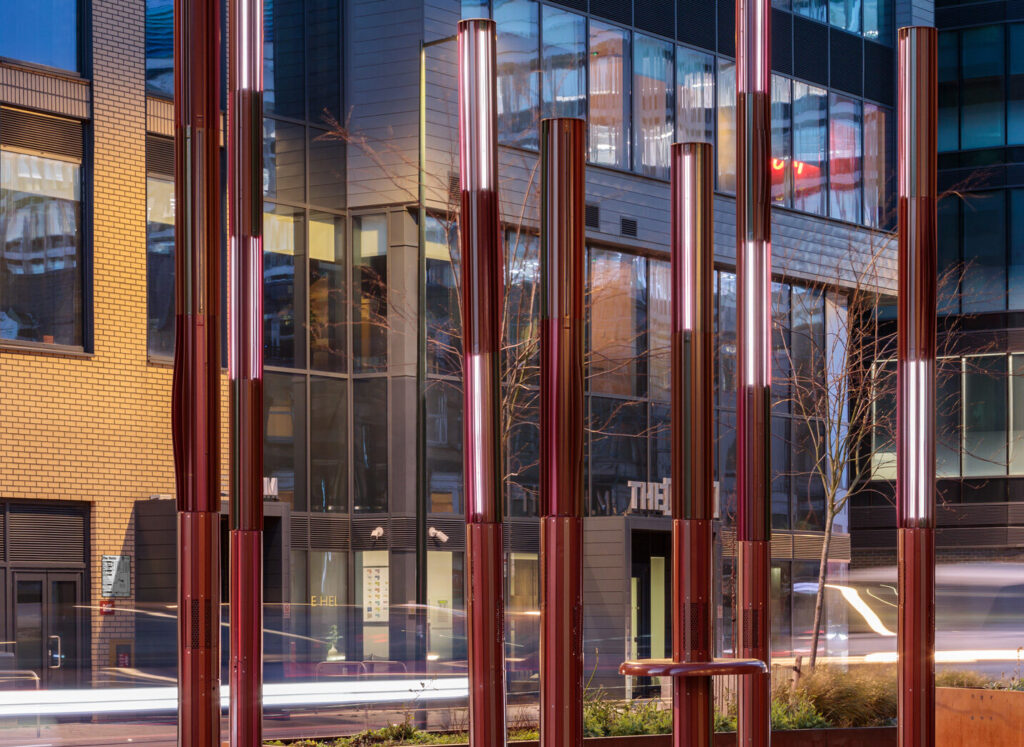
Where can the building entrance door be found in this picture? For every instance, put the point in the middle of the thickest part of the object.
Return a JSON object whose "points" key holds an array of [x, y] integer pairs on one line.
{"points": [[651, 597], [48, 627]]}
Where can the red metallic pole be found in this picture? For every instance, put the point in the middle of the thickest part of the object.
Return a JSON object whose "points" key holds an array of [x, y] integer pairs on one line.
{"points": [[753, 276], [915, 454], [482, 289], [245, 365], [561, 432], [196, 392], [692, 469]]}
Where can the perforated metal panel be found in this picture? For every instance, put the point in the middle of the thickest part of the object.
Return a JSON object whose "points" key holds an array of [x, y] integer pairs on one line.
{"points": [[782, 42], [727, 27], [657, 16], [159, 156], [695, 22], [363, 527], [592, 216], [299, 531], [879, 72], [21, 129], [574, 4], [810, 50], [614, 10], [627, 227], [847, 62], [41, 533], [329, 532]]}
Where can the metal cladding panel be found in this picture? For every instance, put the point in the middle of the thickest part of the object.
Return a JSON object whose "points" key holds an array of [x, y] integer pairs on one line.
{"points": [[160, 156], [879, 76], [782, 42], [574, 4], [402, 532], [847, 53], [522, 535], [455, 528], [614, 10], [363, 527], [695, 23], [727, 27], [657, 16], [47, 534], [22, 129], [810, 50], [299, 532], [328, 532]]}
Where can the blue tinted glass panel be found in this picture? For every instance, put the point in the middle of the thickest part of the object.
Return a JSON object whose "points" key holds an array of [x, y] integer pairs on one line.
{"points": [[518, 83], [878, 20], [810, 119], [1015, 87], [1017, 250], [284, 48], [845, 14], [982, 93], [160, 47], [44, 32], [323, 59], [284, 303], [565, 56], [695, 96], [984, 247], [949, 91], [816, 9], [726, 148], [782, 141], [652, 105]]}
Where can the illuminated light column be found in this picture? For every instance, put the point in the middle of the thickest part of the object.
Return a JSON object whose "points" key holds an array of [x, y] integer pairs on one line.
{"points": [[753, 276], [915, 453], [195, 405], [692, 470], [561, 432], [482, 290], [245, 365]]}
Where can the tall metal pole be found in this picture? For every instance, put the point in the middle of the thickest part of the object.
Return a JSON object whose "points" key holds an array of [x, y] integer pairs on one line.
{"points": [[482, 289], [245, 365], [692, 470], [561, 432], [753, 271], [915, 454], [196, 391]]}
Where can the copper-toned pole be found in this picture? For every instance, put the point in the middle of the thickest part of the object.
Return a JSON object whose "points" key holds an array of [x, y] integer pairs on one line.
{"points": [[753, 276], [915, 454], [692, 471], [561, 432], [196, 392], [482, 289], [245, 364]]}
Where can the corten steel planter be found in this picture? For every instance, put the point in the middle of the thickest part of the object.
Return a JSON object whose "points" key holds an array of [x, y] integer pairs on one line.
{"points": [[195, 399], [915, 426], [966, 716], [245, 365], [867, 737], [482, 289]]}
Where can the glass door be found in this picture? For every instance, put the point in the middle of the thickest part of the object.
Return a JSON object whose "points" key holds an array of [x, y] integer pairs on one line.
{"points": [[48, 627]]}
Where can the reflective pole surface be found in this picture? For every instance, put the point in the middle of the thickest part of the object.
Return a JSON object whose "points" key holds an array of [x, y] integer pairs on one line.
{"points": [[482, 290], [753, 276], [245, 364], [196, 392], [561, 433], [915, 455], [692, 236]]}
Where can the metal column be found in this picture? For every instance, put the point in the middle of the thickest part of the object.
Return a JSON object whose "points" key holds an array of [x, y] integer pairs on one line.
{"points": [[196, 391], [482, 292], [915, 454], [753, 277], [561, 432], [245, 365]]}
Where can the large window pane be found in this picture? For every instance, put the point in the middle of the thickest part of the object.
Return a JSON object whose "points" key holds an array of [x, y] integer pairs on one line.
{"points": [[660, 336], [370, 303], [808, 459], [695, 96], [983, 65], [652, 105], [284, 301], [444, 447], [331, 623], [326, 169], [810, 116], [328, 444], [44, 32], [816, 9], [947, 417], [1017, 409], [1016, 271], [781, 445], [41, 261], [782, 144], [284, 159], [328, 297], [160, 266], [726, 126], [159, 47], [565, 56], [725, 338], [618, 323], [808, 341], [985, 416], [984, 247], [949, 265], [877, 163], [1015, 86], [444, 327], [284, 436], [845, 14], [883, 442], [284, 71], [878, 20], [518, 90], [845, 159], [618, 453], [949, 91], [609, 95], [370, 444], [323, 58], [523, 452]]}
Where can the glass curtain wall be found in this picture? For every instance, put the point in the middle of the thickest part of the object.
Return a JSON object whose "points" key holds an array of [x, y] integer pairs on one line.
{"points": [[609, 95], [42, 32]]}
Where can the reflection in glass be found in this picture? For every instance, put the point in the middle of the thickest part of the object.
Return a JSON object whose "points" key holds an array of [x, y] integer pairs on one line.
{"points": [[328, 444], [726, 126], [618, 323], [283, 288], [878, 20], [985, 416], [781, 607], [444, 446], [948, 254], [283, 59], [782, 348], [370, 445], [695, 96], [522, 621], [518, 89], [160, 47], [522, 301], [283, 161], [326, 169], [43, 32], [949, 91], [1017, 414], [1016, 269], [947, 417], [446, 605], [330, 617], [660, 335], [845, 14], [883, 448], [725, 340], [810, 117], [1015, 86], [652, 105], [284, 436], [808, 491], [984, 244], [328, 297], [816, 9], [41, 259], [160, 266], [370, 299], [782, 145], [323, 58], [845, 159], [444, 327], [564, 64], [877, 160], [618, 453], [983, 64], [523, 453], [609, 95], [781, 472]]}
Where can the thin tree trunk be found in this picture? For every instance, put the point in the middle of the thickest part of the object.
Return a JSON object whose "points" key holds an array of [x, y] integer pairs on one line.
{"points": [[819, 600]]}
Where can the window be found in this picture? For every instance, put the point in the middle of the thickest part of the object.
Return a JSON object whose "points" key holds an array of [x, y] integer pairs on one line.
{"points": [[330, 616], [370, 445], [284, 160], [878, 20], [284, 303], [618, 322], [985, 416], [517, 84], [652, 105], [1016, 269], [660, 335], [782, 144], [816, 9], [618, 452], [726, 126], [845, 169], [328, 297], [810, 119], [41, 268], [370, 300], [984, 247], [444, 328], [444, 447], [949, 91], [695, 96], [43, 32], [564, 60], [845, 14], [1017, 412], [947, 417], [982, 66], [284, 435], [877, 167], [328, 444], [160, 47], [1015, 87], [160, 265], [284, 71], [609, 95]]}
